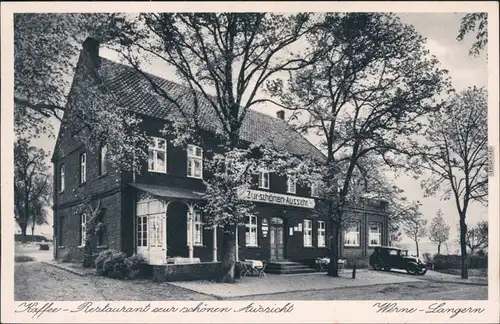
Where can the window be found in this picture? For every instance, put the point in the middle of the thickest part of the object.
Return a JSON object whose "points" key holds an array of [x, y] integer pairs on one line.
{"points": [[351, 234], [157, 155], [375, 233], [321, 234], [83, 167], [61, 178], [263, 179], [83, 228], [198, 229], [195, 162], [251, 231], [291, 184], [142, 231], [314, 189], [308, 232], [103, 169]]}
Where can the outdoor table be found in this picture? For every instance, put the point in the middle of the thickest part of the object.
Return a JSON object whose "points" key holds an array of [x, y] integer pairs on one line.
{"points": [[256, 266], [322, 264]]}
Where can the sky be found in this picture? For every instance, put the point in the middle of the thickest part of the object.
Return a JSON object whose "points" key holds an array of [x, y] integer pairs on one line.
{"points": [[441, 30]]}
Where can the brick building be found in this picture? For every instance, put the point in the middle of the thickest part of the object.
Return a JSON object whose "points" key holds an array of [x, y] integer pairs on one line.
{"points": [[155, 213]]}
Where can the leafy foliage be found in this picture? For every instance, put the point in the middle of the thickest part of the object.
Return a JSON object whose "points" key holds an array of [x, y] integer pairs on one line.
{"points": [[439, 231], [469, 23], [45, 48], [456, 155], [477, 237], [415, 226], [31, 184], [114, 264], [223, 59], [365, 97]]}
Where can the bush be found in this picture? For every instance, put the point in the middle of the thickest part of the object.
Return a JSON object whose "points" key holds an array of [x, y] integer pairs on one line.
{"points": [[454, 261], [114, 264], [101, 259]]}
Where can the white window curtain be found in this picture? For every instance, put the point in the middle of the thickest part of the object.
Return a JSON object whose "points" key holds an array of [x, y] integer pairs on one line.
{"points": [[157, 155]]}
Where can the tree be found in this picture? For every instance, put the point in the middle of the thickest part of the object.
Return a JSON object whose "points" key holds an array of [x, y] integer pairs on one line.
{"points": [[364, 98], [477, 237], [439, 231], [46, 54], [38, 212], [469, 23], [415, 226], [223, 60], [30, 182], [455, 155], [46, 48]]}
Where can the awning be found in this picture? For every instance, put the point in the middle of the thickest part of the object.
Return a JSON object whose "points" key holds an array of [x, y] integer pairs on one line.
{"points": [[167, 192]]}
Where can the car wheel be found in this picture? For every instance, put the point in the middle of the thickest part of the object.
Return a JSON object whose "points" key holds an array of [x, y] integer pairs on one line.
{"points": [[387, 268], [422, 272], [411, 270], [377, 266]]}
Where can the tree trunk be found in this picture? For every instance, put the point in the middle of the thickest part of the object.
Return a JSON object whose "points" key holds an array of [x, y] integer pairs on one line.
{"points": [[333, 267], [416, 243], [228, 255], [463, 247], [439, 248], [32, 232], [23, 227], [87, 255]]}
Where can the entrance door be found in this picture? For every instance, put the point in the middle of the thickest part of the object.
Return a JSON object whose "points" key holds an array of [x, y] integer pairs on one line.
{"points": [[151, 231], [157, 253], [276, 242]]}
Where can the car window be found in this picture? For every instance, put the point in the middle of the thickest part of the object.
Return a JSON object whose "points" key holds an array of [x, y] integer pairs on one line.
{"points": [[393, 252]]}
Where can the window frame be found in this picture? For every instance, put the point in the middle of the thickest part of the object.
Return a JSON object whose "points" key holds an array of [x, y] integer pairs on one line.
{"points": [[321, 230], [191, 169], [314, 189], [262, 174], [249, 228], [379, 234], [83, 168], [62, 175], [198, 228], [155, 150], [358, 232], [103, 167], [144, 231], [307, 231], [291, 183]]}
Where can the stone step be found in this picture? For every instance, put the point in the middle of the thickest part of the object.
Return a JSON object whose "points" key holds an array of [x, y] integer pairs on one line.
{"points": [[285, 266], [289, 270]]}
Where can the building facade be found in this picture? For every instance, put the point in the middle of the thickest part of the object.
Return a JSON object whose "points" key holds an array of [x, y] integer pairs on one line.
{"points": [[157, 213]]}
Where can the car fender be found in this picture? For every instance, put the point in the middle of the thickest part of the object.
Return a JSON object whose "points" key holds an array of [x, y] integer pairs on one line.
{"points": [[412, 264]]}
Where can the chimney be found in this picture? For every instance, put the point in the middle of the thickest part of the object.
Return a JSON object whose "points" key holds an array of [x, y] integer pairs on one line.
{"points": [[91, 46], [280, 114]]}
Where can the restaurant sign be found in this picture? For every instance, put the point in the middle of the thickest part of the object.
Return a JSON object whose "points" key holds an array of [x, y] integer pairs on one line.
{"points": [[275, 198]]}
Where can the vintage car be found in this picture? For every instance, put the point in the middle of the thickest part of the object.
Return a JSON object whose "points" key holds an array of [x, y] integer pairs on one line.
{"points": [[387, 258]]}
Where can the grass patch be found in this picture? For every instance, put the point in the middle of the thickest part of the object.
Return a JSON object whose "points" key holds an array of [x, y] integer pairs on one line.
{"points": [[22, 258]]}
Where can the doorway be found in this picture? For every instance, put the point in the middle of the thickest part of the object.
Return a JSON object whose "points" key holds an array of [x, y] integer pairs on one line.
{"points": [[276, 239]]}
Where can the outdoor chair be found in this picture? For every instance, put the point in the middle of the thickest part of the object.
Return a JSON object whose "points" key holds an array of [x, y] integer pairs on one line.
{"points": [[261, 271], [245, 269], [341, 265]]}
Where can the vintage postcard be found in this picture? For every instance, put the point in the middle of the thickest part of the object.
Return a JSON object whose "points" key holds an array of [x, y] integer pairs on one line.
{"points": [[250, 162]]}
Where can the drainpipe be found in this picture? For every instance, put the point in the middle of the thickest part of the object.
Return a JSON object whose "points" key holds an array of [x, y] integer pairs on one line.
{"points": [[215, 244], [191, 231]]}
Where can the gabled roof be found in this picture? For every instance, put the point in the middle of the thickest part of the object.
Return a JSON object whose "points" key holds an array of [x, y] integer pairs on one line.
{"points": [[133, 91]]}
